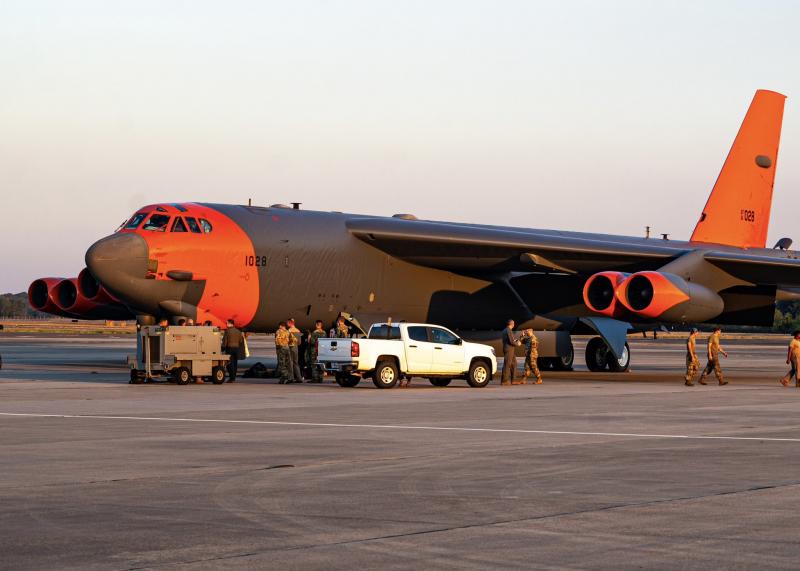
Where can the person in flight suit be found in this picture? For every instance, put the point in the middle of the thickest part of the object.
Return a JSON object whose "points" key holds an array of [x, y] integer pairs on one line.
{"points": [[232, 345], [295, 338], [714, 349], [531, 344], [316, 335], [793, 359], [282, 338], [510, 343], [692, 361]]}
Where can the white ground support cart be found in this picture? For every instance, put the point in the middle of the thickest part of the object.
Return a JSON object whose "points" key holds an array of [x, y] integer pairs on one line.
{"points": [[183, 352]]}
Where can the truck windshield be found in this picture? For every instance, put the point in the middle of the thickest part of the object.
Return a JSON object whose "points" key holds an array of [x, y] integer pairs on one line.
{"points": [[385, 332]]}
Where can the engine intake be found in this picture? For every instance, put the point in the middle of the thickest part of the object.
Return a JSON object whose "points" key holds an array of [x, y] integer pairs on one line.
{"points": [[668, 297], [599, 293]]}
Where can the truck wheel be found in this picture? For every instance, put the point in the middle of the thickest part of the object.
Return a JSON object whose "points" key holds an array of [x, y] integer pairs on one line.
{"points": [[347, 381], [386, 375], [479, 374], [597, 354], [136, 378], [440, 382], [620, 365], [182, 376], [218, 375]]}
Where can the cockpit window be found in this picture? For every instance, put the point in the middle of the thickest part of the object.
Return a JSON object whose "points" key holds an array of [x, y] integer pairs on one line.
{"points": [[206, 225], [134, 222], [178, 225], [193, 226], [157, 223]]}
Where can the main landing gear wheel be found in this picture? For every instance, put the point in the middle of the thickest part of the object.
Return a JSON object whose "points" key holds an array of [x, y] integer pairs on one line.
{"points": [[347, 380], [564, 362], [479, 374], [623, 363], [440, 382], [386, 375], [600, 358], [182, 376], [218, 375]]}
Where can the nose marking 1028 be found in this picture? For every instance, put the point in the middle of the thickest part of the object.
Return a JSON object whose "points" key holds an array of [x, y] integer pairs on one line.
{"points": [[255, 261]]}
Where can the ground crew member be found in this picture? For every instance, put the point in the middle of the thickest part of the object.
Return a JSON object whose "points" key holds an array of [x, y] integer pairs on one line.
{"points": [[510, 343], [316, 335], [531, 344], [692, 361], [282, 338], [714, 349], [295, 337], [341, 331], [232, 345], [793, 359]]}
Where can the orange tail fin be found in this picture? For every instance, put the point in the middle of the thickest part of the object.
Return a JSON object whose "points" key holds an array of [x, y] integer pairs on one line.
{"points": [[737, 211]]}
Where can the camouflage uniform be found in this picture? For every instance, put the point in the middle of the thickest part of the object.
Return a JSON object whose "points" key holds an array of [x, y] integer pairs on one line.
{"points": [[714, 349], [316, 370], [692, 362], [342, 332], [284, 360], [794, 361], [294, 355], [531, 344]]}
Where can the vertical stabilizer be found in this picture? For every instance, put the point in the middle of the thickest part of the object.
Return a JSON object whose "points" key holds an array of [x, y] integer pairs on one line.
{"points": [[737, 211]]}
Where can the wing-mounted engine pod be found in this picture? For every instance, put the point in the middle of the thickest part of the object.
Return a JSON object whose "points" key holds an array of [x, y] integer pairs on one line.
{"points": [[598, 293], [91, 289], [69, 301], [41, 296], [668, 297]]}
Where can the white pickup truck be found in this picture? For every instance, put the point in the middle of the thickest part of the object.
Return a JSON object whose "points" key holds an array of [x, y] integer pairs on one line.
{"points": [[393, 351]]}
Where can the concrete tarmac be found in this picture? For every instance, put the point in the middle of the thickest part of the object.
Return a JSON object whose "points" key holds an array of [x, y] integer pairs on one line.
{"points": [[588, 470]]}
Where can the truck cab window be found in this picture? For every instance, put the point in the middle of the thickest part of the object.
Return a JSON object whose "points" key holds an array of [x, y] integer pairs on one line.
{"points": [[157, 223], [418, 334], [443, 337], [178, 225], [193, 225]]}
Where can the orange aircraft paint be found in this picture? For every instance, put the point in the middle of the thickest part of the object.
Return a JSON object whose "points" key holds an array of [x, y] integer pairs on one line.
{"points": [[615, 309], [666, 295], [231, 289], [737, 211]]}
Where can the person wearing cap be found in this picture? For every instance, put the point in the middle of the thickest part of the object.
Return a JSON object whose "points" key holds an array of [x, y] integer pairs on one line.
{"points": [[714, 349], [793, 359], [531, 344], [692, 361], [284, 370]]}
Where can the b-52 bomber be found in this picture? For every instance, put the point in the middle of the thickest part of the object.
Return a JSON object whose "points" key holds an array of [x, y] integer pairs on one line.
{"points": [[258, 265]]}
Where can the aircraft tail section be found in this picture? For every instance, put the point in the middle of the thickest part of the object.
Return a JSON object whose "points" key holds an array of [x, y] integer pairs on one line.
{"points": [[738, 209]]}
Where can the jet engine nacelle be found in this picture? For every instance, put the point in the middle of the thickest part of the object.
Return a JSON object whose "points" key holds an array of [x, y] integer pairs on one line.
{"points": [[70, 300], [599, 294], [41, 296], [668, 297]]}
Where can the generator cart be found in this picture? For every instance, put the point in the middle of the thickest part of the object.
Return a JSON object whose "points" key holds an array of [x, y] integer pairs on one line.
{"points": [[183, 352]]}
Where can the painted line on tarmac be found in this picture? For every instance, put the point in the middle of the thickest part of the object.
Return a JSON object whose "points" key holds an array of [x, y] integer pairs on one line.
{"points": [[403, 427]]}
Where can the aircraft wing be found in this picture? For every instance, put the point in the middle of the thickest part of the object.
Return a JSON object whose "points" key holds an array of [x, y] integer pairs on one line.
{"points": [[468, 248], [486, 249]]}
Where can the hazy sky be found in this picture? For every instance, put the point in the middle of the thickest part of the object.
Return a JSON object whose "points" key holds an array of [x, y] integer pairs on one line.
{"points": [[600, 116]]}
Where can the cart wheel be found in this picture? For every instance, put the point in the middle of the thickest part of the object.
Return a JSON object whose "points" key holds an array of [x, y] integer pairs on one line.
{"points": [[218, 375], [182, 376], [136, 378]]}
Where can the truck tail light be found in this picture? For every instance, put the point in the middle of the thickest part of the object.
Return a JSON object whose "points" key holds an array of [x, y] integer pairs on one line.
{"points": [[355, 350]]}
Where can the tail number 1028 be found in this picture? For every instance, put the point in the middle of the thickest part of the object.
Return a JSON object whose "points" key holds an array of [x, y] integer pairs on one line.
{"points": [[747, 215]]}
